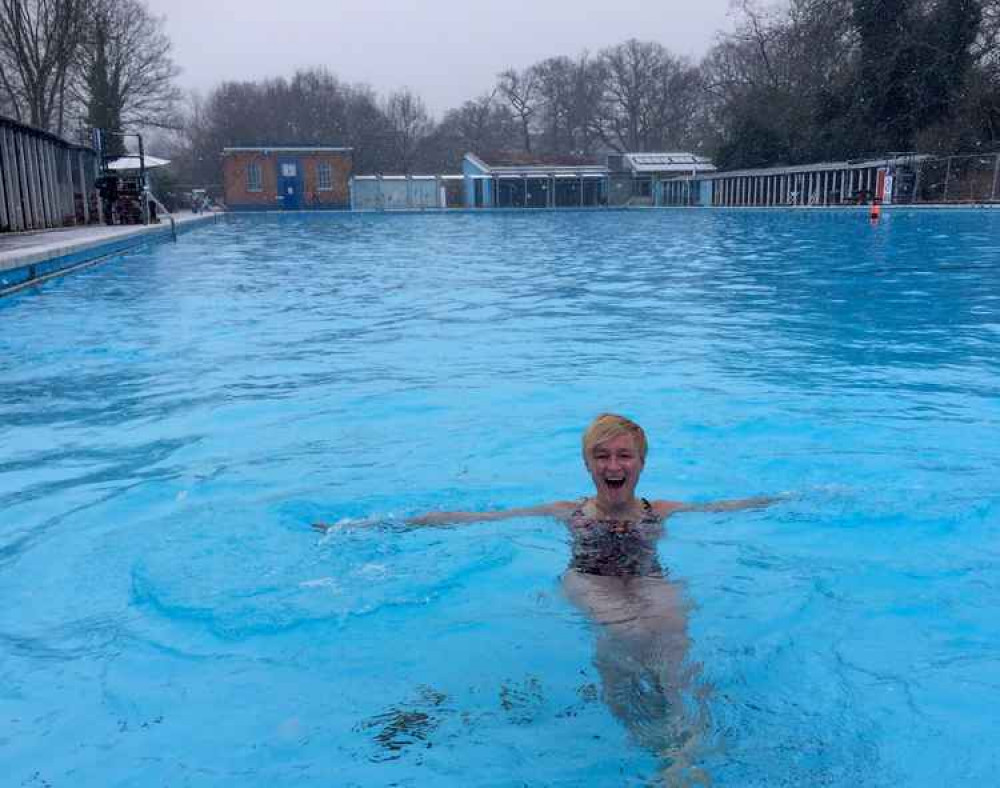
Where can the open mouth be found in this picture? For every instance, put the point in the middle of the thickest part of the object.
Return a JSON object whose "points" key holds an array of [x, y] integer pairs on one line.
{"points": [[615, 484]]}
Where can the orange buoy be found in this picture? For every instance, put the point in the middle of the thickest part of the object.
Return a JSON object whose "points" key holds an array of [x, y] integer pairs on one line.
{"points": [[876, 213]]}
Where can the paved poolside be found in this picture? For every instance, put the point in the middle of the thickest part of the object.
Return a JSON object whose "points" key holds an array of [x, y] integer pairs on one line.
{"points": [[22, 249]]}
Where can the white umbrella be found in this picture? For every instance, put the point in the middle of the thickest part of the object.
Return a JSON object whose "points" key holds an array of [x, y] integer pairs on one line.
{"points": [[132, 163]]}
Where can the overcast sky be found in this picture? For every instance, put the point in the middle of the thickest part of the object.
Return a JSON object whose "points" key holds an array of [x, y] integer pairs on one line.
{"points": [[447, 51]]}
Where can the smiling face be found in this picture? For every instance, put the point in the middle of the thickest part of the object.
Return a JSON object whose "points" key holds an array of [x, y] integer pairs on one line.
{"points": [[615, 466]]}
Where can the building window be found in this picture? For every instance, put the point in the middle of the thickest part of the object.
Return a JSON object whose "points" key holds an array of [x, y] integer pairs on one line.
{"points": [[324, 176], [253, 177], [288, 170]]}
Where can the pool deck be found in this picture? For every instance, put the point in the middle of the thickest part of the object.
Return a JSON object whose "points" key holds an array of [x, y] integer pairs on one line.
{"points": [[28, 258]]}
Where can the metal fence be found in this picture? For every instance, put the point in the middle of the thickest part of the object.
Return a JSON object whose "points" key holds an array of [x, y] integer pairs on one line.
{"points": [[950, 179], [897, 178], [45, 181]]}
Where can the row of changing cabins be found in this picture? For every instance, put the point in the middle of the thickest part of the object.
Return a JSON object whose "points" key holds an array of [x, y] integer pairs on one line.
{"points": [[48, 182], [262, 178], [637, 179]]}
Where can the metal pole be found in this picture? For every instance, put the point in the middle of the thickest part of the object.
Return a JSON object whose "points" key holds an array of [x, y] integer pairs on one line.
{"points": [[947, 176], [996, 177], [142, 182]]}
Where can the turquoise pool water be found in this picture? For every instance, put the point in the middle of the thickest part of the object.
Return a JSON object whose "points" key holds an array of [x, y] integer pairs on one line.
{"points": [[172, 422]]}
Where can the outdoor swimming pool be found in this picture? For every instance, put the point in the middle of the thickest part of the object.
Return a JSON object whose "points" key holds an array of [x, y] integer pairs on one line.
{"points": [[172, 422]]}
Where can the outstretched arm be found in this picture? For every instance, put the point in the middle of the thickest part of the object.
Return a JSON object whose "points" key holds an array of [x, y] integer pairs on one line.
{"points": [[558, 509], [665, 508]]}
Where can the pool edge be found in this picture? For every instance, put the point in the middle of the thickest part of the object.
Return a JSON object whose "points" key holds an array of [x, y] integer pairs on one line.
{"points": [[33, 267]]}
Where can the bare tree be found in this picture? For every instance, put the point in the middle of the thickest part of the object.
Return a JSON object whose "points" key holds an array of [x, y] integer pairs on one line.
{"points": [[520, 88], [482, 124], [588, 95], [126, 74], [555, 77], [984, 87], [39, 41], [648, 94], [409, 124]]}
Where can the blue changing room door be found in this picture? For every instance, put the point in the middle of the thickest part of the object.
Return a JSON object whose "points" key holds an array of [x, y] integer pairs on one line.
{"points": [[289, 183]]}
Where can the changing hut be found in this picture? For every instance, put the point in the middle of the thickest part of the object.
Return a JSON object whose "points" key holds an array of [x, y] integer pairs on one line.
{"points": [[526, 181], [657, 178], [286, 178], [826, 183]]}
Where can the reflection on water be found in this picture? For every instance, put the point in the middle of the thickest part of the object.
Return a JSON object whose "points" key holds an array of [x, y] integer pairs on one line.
{"points": [[173, 421]]}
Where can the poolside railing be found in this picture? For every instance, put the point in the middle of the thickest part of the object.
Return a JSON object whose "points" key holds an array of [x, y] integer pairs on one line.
{"points": [[45, 181], [899, 178], [954, 179]]}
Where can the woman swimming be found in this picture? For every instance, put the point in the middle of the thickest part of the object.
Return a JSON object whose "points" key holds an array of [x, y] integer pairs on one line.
{"points": [[616, 579], [614, 532]]}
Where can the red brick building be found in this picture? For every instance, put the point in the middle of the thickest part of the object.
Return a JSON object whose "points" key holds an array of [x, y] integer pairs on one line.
{"points": [[286, 178]]}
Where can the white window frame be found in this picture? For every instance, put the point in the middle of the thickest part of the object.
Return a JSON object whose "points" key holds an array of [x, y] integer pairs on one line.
{"points": [[324, 176], [254, 182]]}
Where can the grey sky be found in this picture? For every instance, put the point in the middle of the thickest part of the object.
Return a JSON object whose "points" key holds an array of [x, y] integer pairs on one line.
{"points": [[447, 51]]}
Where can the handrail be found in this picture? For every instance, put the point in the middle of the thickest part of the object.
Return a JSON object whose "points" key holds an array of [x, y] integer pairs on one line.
{"points": [[163, 209]]}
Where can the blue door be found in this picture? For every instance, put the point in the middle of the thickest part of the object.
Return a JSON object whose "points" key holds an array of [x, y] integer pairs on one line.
{"points": [[289, 184]]}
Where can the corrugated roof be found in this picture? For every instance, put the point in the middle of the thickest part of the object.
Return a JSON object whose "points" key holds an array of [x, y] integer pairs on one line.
{"points": [[668, 162], [545, 172], [530, 166], [534, 160]]}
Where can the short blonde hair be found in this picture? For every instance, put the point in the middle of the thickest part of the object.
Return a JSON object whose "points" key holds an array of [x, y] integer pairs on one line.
{"points": [[608, 426]]}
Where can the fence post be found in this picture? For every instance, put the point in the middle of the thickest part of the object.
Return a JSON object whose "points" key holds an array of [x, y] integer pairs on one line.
{"points": [[69, 191], [5, 223], [996, 176], [14, 180]]}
